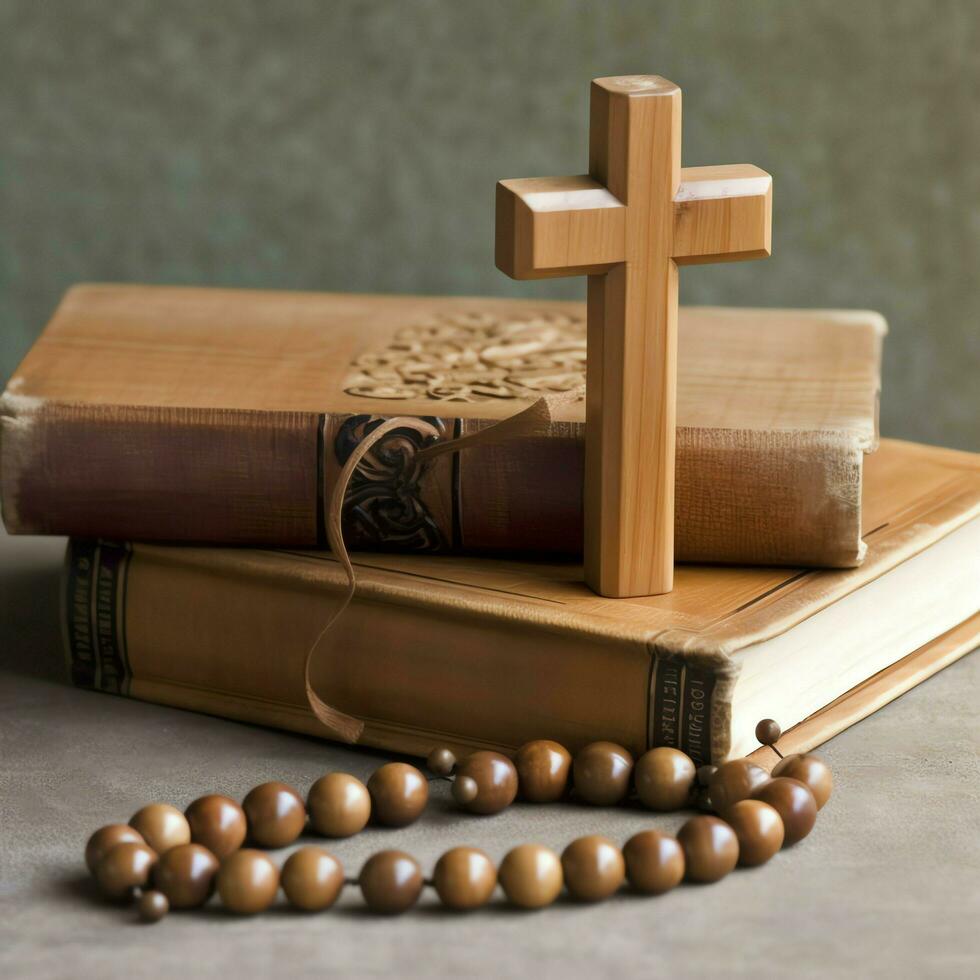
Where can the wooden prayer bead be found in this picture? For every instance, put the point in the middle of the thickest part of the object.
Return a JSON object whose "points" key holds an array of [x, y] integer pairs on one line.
{"points": [[759, 829], [664, 778], [276, 814], [531, 876], [593, 867], [464, 790], [702, 801], [105, 839], [152, 906], [217, 823], [654, 862], [811, 770], [794, 802], [126, 866], [339, 805], [441, 761], [542, 770], [185, 874], [312, 879], [601, 773], [247, 882], [391, 882], [399, 793], [464, 878], [495, 778], [704, 774], [733, 781], [162, 826], [767, 732], [710, 848]]}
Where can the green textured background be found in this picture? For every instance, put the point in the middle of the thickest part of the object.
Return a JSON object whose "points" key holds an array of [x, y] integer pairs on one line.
{"points": [[354, 146]]}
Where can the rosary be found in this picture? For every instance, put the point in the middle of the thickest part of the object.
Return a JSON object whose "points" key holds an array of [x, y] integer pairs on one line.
{"points": [[164, 859]]}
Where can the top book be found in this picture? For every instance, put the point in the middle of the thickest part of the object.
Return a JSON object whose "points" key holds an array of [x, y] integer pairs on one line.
{"points": [[225, 416]]}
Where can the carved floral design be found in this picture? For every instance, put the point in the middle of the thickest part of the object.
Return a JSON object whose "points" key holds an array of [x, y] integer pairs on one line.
{"points": [[473, 357], [383, 506]]}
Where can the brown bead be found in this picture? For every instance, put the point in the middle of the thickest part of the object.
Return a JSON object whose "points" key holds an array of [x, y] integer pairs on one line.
{"points": [[654, 862], [705, 773], [593, 867], [464, 878], [464, 790], [759, 829], [733, 781], [276, 814], [767, 732], [399, 793], [247, 882], [124, 867], [809, 769], [441, 761], [602, 773], [664, 778], [495, 778], [185, 874], [105, 839], [542, 770], [339, 805], [152, 906], [531, 876], [702, 801], [162, 826], [391, 882], [217, 823], [710, 848], [312, 879], [794, 802]]}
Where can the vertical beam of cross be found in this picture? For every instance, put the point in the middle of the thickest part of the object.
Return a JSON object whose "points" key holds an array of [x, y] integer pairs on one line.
{"points": [[627, 226]]}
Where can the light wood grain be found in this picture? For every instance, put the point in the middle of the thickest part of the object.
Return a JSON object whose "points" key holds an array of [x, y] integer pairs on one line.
{"points": [[558, 226], [722, 214], [627, 225]]}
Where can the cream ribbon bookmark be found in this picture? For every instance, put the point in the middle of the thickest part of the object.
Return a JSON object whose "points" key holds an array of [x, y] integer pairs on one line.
{"points": [[536, 419]]}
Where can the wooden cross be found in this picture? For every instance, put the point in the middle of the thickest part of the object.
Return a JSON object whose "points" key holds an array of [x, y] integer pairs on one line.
{"points": [[627, 226]]}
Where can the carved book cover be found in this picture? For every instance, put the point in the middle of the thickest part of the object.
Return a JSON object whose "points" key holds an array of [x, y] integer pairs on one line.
{"points": [[225, 416]]}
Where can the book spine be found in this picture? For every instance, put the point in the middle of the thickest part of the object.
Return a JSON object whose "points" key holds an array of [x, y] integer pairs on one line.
{"points": [[160, 474], [417, 672], [264, 478]]}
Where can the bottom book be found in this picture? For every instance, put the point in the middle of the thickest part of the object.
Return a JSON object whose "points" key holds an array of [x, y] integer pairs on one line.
{"points": [[484, 653]]}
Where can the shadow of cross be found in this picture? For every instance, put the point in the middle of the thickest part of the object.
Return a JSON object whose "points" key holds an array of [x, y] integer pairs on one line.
{"points": [[627, 226]]}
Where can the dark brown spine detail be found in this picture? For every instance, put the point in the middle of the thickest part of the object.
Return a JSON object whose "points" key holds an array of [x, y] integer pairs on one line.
{"points": [[696, 716], [94, 615], [383, 507], [680, 708], [76, 620], [666, 686]]}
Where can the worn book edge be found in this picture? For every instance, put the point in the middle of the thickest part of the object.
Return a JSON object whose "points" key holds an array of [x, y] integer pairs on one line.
{"points": [[874, 693]]}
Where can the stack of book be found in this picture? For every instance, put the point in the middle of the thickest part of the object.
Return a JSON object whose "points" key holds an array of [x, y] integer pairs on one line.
{"points": [[822, 573]]}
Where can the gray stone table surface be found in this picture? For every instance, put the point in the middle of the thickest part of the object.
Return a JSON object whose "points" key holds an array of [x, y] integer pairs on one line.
{"points": [[888, 884]]}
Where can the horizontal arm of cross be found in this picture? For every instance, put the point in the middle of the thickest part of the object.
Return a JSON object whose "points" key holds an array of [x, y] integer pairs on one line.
{"points": [[562, 226], [722, 214], [558, 226]]}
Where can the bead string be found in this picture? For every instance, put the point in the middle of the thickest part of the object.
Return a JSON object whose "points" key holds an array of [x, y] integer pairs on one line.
{"points": [[167, 859]]}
